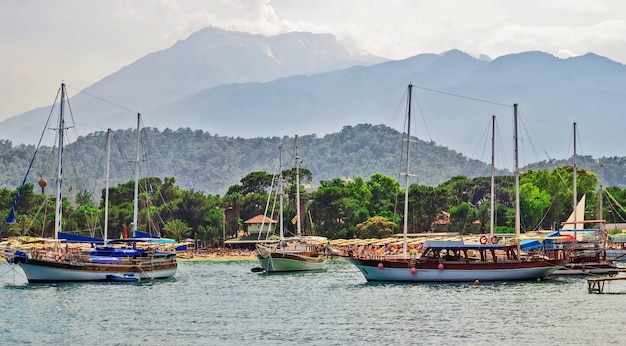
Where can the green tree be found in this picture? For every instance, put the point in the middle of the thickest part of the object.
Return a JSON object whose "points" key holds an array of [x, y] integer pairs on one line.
{"points": [[376, 227], [384, 191], [177, 229]]}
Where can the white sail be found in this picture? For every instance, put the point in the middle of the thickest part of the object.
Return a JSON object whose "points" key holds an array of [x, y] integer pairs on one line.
{"points": [[578, 223]]}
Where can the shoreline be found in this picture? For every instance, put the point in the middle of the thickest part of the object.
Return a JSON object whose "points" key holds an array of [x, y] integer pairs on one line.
{"points": [[214, 257]]}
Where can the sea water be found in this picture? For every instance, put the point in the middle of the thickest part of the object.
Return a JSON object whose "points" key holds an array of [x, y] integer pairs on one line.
{"points": [[225, 303]]}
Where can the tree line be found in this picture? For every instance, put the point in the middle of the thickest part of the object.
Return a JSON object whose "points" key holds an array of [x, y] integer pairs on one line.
{"points": [[338, 208]]}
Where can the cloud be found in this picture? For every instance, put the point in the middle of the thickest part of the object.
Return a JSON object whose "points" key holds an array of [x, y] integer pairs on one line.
{"points": [[44, 42]]}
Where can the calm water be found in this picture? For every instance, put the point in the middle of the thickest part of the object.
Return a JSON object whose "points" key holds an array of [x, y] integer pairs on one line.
{"points": [[224, 303]]}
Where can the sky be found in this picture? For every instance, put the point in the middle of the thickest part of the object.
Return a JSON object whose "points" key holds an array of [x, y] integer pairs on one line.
{"points": [[82, 41]]}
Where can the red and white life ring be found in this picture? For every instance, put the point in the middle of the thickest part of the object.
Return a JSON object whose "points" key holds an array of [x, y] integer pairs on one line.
{"points": [[483, 240]]}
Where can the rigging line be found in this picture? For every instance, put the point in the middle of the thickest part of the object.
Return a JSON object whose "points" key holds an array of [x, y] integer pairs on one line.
{"points": [[526, 125], [483, 141], [464, 97], [388, 137], [419, 108], [103, 100], [525, 129], [582, 153], [500, 142]]}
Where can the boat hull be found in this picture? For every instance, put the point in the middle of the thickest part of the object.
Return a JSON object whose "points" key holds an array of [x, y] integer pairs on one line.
{"points": [[44, 271], [289, 261], [403, 271]]}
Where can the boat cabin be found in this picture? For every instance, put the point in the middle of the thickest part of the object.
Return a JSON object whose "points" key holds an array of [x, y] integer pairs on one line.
{"points": [[458, 251]]}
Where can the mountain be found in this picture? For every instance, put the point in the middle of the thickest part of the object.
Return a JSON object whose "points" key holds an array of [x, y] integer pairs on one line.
{"points": [[207, 58], [456, 95], [243, 85]]}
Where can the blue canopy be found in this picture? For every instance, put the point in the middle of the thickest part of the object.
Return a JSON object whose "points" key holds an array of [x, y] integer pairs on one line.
{"points": [[75, 238], [140, 234]]}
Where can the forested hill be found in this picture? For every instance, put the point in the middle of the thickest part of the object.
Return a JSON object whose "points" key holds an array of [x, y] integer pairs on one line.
{"points": [[212, 163]]}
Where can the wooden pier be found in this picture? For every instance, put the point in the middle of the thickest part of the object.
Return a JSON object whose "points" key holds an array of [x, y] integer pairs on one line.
{"points": [[597, 284]]}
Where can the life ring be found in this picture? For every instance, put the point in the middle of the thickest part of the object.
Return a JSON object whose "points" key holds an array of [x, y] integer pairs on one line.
{"points": [[483, 240], [419, 246], [495, 240], [62, 258], [57, 258]]}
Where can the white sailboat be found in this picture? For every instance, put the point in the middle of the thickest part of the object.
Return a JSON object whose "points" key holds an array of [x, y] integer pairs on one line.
{"points": [[452, 260], [60, 263], [293, 254]]}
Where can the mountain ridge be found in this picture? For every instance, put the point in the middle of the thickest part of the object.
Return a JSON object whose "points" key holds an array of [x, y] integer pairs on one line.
{"points": [[213, 91]]}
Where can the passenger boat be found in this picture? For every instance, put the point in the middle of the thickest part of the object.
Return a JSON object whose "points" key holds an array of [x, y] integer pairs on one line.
{"points": [[58, 262], [453, 260]]}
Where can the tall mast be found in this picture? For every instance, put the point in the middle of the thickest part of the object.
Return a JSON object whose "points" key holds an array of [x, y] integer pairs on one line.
{"points": [[59, 205], [405, 225], [106, 194], [136, 198], [601, 194], [516, 172], [298, 224], [575, 194], [493, 173], [280, 191]]}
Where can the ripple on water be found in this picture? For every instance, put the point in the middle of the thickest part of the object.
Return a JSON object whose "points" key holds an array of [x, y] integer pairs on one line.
{"points": [[224, 303]]}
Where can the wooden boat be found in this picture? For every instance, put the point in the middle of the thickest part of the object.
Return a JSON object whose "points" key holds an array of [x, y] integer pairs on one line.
{"points": [[584, 250], [300, 253], [453, 260], [59, 263], [291, 255]]}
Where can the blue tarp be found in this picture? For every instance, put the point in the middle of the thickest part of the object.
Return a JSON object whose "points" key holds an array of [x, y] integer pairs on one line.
{"points": [[75, 238], [531, 244], [140, 234]]}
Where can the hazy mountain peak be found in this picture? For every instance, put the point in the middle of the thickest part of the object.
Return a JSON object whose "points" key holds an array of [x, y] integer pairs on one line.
{"points": [[249, 85]]}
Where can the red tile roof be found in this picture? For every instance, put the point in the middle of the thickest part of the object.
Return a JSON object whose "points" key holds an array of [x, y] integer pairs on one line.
{"points": [[259, 220]]}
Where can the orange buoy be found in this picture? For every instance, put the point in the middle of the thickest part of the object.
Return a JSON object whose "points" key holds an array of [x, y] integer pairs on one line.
{"points": [[380, 266], [440, 266], [413, 271], [476, 282]]}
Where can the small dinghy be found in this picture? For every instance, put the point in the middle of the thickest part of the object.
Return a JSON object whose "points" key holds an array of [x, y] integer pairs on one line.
{"points": [[126, 277]]}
